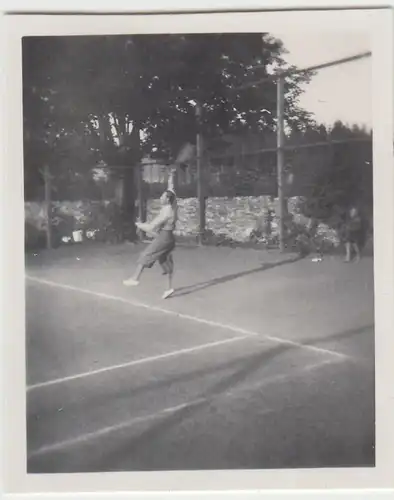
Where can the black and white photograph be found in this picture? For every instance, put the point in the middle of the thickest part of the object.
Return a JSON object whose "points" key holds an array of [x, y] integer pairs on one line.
{"points": [[199, 249]]}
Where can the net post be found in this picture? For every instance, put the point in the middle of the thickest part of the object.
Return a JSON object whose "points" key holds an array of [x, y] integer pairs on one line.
{"points": [[280, 158], [200, 177]]}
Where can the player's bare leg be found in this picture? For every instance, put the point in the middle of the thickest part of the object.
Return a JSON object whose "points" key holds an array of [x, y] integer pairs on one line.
{"points": [[134, 280], [348, 247], [168, 266], [357, 252]]}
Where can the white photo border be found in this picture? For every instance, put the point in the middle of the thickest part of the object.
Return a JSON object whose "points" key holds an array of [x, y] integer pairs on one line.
{"points": [[379, 24]]}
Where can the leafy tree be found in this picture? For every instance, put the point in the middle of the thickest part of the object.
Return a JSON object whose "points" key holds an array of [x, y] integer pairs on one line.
{"points": [[344, 175], [115, 98], [212, 70]]}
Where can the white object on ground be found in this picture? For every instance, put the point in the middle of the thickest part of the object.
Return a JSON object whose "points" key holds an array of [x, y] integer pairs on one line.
{"points": [[77, 236]]}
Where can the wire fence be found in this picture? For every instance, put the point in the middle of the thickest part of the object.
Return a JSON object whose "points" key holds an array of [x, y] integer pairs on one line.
{"points": [[247, 192], [239, 189]]}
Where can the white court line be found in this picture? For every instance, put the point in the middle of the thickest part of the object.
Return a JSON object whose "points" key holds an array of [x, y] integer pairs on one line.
{"points": [[60, 445], [137, 362], [244, 332]]}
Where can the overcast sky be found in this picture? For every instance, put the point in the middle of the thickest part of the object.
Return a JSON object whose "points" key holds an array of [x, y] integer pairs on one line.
{"points": [[339, 93]]}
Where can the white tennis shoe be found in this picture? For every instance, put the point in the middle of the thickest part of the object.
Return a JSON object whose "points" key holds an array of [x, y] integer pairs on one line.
{"points": [[168, 293], [131, 282]]}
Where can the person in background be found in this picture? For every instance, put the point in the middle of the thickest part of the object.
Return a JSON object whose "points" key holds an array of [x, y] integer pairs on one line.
{"points": [[353, 234], [161, 248]]}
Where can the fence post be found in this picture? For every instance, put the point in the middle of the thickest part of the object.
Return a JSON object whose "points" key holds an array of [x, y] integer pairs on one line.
{"points": [[48, 205], [200, 176], [140, 192], [140, 197], [281, 161]]}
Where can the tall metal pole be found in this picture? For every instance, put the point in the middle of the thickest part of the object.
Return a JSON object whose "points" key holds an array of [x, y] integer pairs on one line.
{"points": [[281, 160], [200, 176], [140, 198], [48, 205], [140, 194]]}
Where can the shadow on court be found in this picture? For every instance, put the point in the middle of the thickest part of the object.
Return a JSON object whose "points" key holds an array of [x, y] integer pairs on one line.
{"points": [[155, 432], [248, 367], [197, 287], [323, 419], [254, 363]]}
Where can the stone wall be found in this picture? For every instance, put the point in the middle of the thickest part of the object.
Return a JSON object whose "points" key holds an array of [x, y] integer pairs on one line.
{"points": [[81, 212], [230, 218]]}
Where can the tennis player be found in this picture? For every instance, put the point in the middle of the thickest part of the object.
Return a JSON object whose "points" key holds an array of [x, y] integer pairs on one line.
{"points": [[162, 247]]}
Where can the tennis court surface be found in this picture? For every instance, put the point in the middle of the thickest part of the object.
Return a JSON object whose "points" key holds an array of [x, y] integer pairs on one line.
{"points": [[259, 360]]}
